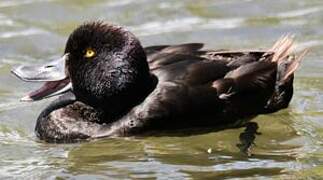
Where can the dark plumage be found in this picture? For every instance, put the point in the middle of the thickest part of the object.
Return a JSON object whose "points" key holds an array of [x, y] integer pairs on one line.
{"points": [[126, 89]]}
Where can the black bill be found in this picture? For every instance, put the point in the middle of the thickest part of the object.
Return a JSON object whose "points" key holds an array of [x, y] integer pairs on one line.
{"points": [[53, 74]]}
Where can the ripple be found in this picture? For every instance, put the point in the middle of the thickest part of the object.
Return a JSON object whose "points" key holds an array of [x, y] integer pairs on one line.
{"points": [[299, 12], [5, 21], [22, 168], [12, 61], [120, 3], [227, 23], [10, 3], [12, 136], [308, 44], [12, 105], [18, 58], [159, 169], [186, 24], [25, 32]]}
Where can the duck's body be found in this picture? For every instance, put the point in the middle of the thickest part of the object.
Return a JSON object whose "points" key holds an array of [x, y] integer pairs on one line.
{"points": [[185, 87]]}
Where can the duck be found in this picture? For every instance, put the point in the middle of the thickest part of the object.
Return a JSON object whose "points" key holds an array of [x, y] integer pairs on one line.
{"points": [[109, 85]]}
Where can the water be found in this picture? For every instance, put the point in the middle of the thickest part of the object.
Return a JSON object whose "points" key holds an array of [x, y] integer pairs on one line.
{"points": [[290, 147]]}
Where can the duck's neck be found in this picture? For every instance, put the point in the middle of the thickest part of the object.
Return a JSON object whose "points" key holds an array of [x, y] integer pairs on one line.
{"points": [[120, 86], [127, 97]]}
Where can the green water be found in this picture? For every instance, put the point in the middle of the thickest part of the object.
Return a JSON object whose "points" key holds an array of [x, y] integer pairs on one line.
{"points": [[290, 147]]}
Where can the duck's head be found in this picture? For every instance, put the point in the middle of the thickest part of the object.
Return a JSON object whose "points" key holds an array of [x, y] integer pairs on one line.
{"points": [[104, 64]]}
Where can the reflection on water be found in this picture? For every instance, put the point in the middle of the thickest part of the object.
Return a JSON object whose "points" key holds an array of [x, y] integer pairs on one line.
{"points": [[290, 144], [247, 138]]}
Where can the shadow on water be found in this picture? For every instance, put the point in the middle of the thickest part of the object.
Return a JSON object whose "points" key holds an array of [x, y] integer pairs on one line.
{"points": [[247, 138], [184, 156]]}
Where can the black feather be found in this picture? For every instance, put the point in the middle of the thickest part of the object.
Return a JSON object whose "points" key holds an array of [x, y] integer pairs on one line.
{"points": [[126, 89]]}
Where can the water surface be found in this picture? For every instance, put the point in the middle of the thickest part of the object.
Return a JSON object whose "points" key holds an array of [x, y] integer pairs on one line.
{"points": [[290, 147]]}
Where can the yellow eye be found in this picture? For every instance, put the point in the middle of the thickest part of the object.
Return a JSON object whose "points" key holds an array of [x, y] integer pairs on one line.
{"points": [[89, 53]]}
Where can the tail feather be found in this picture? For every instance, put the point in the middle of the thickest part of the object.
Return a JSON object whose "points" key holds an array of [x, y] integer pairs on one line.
{"points": [[270, 79], [282, 48], [287, 64], [295, 62]]}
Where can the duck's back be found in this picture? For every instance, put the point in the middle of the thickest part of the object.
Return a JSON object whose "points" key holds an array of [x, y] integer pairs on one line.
{"points": [[201, 88]]}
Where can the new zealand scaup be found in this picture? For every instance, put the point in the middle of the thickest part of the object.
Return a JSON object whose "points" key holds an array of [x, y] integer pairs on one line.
{"points": [[112, 86]]}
